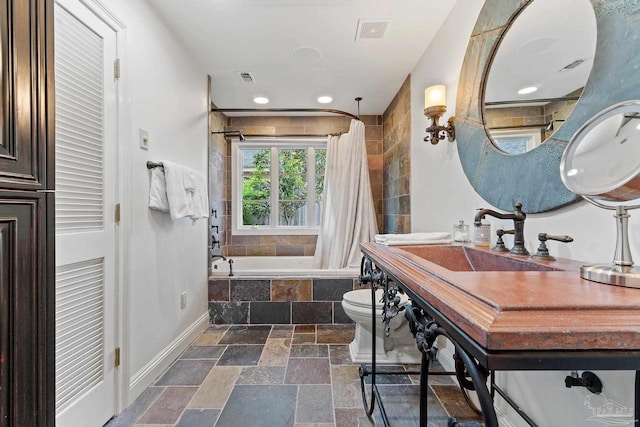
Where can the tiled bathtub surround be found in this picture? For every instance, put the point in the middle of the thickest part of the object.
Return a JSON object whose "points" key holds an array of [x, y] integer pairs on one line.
{"points": [[291, 245], [218, 152], [278, 245], [278, 301]]}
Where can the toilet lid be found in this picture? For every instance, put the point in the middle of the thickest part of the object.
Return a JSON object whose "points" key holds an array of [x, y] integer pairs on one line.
{"points": [[362, 298]]}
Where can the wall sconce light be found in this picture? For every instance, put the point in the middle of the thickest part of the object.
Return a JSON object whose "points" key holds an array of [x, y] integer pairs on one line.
{"points": [[435, 105]]}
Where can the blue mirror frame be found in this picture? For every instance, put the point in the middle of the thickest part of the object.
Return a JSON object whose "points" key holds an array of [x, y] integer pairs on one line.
{"points": [[533, 178]]}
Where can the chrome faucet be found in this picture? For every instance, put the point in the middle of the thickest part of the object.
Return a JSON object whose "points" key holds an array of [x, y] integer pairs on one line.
{"points": [[518, 218]]}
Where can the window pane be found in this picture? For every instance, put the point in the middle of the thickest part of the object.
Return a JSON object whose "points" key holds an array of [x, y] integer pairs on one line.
{"points": [[256, 186], [513, 145], [292, 186], [321, 163], [293, 213], [256, 213], [293, 161]]}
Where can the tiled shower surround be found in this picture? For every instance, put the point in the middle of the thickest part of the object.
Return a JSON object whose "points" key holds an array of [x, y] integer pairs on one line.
{"points": [[291, 245], [278, 301]]}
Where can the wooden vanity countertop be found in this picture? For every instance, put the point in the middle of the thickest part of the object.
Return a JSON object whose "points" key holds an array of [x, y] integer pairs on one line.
{"points": [[522, 310]]}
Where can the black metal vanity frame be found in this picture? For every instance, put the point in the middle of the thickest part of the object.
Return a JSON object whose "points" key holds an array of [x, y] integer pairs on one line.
{"points": [[480, 364]]}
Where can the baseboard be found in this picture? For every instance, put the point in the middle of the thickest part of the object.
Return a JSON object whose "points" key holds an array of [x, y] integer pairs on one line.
{"points": [[445, 354], [149, 372]]}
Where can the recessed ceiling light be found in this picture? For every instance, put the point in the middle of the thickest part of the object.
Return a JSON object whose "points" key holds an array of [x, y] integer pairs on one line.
{"points": [[528, 89], [261, 100], [325, 99]]}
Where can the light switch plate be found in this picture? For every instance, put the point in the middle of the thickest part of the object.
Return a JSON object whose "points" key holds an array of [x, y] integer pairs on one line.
{"points": [[144, 139]]}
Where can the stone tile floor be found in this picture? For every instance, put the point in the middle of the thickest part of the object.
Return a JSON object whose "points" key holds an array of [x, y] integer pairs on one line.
{"points": [[278, 376]]}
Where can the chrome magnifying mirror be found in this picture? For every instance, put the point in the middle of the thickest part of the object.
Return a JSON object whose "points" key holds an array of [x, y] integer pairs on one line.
{"points": [[602, 164]]}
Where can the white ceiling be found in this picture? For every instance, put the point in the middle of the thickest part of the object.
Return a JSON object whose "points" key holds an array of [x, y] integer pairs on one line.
{"points": [[546, 37], [259, 36]]}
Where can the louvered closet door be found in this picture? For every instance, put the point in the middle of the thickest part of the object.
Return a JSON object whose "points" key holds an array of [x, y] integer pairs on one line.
{"points": [[85, 93]]}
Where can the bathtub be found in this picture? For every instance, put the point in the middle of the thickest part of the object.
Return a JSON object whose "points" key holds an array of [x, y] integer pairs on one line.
{"points": [[277, 266]]}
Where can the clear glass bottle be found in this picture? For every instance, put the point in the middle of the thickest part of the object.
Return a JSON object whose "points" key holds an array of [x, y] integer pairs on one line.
{"points": [[461, 233], [482, 234]]}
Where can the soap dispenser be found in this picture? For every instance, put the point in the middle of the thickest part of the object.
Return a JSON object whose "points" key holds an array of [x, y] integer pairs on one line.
{"points": [[482, 233]]}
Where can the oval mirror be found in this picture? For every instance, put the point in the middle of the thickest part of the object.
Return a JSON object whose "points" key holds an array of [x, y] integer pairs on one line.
{"points": [[538, 73], [533, 178]]}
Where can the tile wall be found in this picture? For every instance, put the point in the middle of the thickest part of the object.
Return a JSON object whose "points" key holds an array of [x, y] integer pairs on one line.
{"points": [[278, 301], [218, 152], [516, 117], [396, 147], [290, 245]]}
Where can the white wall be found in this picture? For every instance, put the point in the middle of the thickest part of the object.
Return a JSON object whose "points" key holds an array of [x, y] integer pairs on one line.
{"points": [[166, 94], [441, 195]]}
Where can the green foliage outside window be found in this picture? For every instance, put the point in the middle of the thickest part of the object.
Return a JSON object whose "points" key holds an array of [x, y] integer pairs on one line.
{"points": [[292, 185], [256, 189]]}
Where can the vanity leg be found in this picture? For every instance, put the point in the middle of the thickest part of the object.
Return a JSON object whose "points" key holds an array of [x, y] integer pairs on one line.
{"points": [[424, 390], [370, 406], [637, 400], [479, 380]]}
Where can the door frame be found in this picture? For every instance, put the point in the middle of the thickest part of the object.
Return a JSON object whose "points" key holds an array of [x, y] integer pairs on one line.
{"points": [[123, 196]]}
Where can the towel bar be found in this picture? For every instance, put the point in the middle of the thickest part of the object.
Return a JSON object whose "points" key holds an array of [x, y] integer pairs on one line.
{"points": [[151, 165]]}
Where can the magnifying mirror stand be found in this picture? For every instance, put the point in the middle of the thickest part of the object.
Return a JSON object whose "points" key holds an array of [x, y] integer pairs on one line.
{"points": [[621, 272]]}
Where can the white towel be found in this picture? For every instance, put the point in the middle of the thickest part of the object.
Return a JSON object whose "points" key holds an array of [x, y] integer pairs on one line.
{"points": [[200, 196], [412, 237], [185, 191], [415, 242], [158, 191], [179, 200]]}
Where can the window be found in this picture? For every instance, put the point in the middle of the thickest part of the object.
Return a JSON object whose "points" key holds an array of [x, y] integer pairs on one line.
{"points": [[277, 186], [516, 141]]}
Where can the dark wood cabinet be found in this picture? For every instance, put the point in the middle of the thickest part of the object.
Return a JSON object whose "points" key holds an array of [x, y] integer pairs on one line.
{"points": [[23, 115], [27, 264], [27, 369]]}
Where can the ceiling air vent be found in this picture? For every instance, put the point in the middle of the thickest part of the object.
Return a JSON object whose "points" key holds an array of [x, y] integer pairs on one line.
{"points": [[246, 77], [371, 29]]}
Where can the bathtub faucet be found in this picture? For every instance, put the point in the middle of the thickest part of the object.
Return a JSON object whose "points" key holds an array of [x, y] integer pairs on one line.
{"points": [[215, 257], [518, 218]]}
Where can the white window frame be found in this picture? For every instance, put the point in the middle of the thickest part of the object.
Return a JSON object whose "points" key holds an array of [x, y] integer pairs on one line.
{"points": [[236, 186], [533, 136]]}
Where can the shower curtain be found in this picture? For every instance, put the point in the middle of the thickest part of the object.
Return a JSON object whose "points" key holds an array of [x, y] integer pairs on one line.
{"points": [[348, 214]]}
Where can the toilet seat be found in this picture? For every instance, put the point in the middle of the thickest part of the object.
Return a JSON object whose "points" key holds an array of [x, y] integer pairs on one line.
{"points": [[362, 298]]}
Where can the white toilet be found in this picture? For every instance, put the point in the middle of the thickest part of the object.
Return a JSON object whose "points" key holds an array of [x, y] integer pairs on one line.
{"points": [[398, 348]]}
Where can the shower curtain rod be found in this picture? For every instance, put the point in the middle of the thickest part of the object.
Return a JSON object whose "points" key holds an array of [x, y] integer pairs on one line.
{"points": [[285, 110], [289, 110], [292, 135]]}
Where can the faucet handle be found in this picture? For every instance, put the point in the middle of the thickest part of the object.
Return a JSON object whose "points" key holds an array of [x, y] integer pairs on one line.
{"points": [[543, 251], [500, 247], [543, 237]]}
